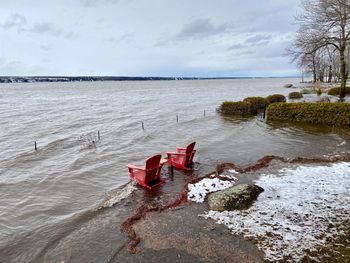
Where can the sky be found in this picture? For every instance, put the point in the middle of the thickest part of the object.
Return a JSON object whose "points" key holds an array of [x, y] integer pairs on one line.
{"points": [[189, 38]]}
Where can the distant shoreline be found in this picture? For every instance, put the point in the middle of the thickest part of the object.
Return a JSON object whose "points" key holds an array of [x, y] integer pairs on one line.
{"points": [[33, 79]]}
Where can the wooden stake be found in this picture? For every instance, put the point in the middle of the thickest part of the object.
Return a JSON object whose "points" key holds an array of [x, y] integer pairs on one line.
{"points": [[98, 135], [35, 146], [143, 126], [204, 113], [177, 118]]}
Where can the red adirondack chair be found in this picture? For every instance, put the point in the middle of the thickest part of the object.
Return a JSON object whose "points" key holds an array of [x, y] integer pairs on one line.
{"points": [[182, 158], [148, 176]]}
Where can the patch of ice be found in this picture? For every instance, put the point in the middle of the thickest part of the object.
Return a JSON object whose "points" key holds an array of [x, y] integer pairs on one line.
{"points": [[198, 191], [295, 212]]}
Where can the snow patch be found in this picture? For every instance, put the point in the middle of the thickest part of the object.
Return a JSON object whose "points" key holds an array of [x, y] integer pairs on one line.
{"points": [[198, 191], [297, 211]]}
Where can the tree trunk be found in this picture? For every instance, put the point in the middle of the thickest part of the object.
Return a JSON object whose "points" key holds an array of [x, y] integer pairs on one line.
{"points": [[314, 70], [343, 74], [321, 78], [330, 73]]}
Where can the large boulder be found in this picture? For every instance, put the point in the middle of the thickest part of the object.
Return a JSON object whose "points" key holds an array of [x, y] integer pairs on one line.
{"points": [[288, 86], [238, 197]]}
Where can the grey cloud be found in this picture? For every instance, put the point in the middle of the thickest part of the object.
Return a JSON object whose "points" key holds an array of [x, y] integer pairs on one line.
{"points": [[127, 37], [89, 3], [237, 46], [15, 21], [70, 35], [45, 47], [46, 28], [244, 53], [52, 30], [258, 39], [19, 22], [199, 28]]}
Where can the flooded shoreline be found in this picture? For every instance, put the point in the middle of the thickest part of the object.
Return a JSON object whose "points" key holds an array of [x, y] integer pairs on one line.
{"points": [[128, 230], [66, 192]]}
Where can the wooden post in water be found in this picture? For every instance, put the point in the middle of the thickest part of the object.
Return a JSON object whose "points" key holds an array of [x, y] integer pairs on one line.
{"points": [[264, 112], [35, 146], [143, 126], [98, 135], [177, 118], [204, 113]]}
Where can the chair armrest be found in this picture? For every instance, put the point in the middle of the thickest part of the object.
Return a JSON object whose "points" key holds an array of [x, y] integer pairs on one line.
{"points": [[163, 161], [180, 150], [173, 153], [131, 166]]}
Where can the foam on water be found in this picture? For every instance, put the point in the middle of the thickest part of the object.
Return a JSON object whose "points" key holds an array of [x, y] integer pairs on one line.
{"points": [[297, 212], [117, 195]]}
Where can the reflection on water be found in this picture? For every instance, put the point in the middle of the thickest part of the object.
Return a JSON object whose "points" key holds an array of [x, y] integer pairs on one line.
{"points": [[67, 176]]}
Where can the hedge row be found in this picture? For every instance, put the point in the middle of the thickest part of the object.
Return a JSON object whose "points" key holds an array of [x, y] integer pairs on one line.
{"points": [[335, 114], [257, 103], [336, 91], [295, 95], [250, 105], [276, 98], [240, 108]]}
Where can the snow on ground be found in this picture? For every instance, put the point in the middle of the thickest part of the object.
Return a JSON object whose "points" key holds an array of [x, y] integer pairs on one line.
{"points": [[198, 191], [297, 211]]}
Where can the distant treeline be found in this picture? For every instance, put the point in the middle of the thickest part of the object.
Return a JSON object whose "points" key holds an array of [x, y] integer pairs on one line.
{"points": [[6, 79], [14, 79]]}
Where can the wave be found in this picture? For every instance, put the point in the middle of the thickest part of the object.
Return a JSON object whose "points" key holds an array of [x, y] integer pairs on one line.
{"points": [[116, 195]]}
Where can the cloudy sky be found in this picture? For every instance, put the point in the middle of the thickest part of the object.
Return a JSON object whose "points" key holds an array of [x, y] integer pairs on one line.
{"points": [[203, 38]]}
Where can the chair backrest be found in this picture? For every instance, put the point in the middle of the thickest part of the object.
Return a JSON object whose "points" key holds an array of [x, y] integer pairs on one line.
{"points": [[152, 166], [189, 154]]}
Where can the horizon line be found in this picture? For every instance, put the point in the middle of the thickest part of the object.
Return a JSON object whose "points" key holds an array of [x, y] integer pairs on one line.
{"points": [[145, 77]]}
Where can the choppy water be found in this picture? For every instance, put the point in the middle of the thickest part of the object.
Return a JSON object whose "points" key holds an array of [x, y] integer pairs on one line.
{"points": [[69, 174]]}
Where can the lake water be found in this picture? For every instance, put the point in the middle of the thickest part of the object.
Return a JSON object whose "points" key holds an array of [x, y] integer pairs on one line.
{"points": [[70, 174]]}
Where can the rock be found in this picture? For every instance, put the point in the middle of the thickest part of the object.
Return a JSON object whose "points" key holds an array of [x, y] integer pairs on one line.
{"points": [[288, 86], [237, 197]]}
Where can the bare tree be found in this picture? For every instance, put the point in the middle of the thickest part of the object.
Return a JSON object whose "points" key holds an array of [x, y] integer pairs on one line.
{"points": [[324, 23]]}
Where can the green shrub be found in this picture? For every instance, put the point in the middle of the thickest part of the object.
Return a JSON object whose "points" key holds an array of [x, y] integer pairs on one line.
{"points": [[276, 98], [336, 91], [257, 103], [335, 114], [307, 91], [239, 108], [295, 95]]}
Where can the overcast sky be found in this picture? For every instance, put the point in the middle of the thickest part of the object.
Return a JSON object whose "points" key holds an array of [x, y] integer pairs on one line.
{"points": [[204, 38]]}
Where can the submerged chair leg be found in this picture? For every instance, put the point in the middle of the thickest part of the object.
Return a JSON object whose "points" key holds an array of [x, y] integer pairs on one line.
{"points": [[171, 170]]}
